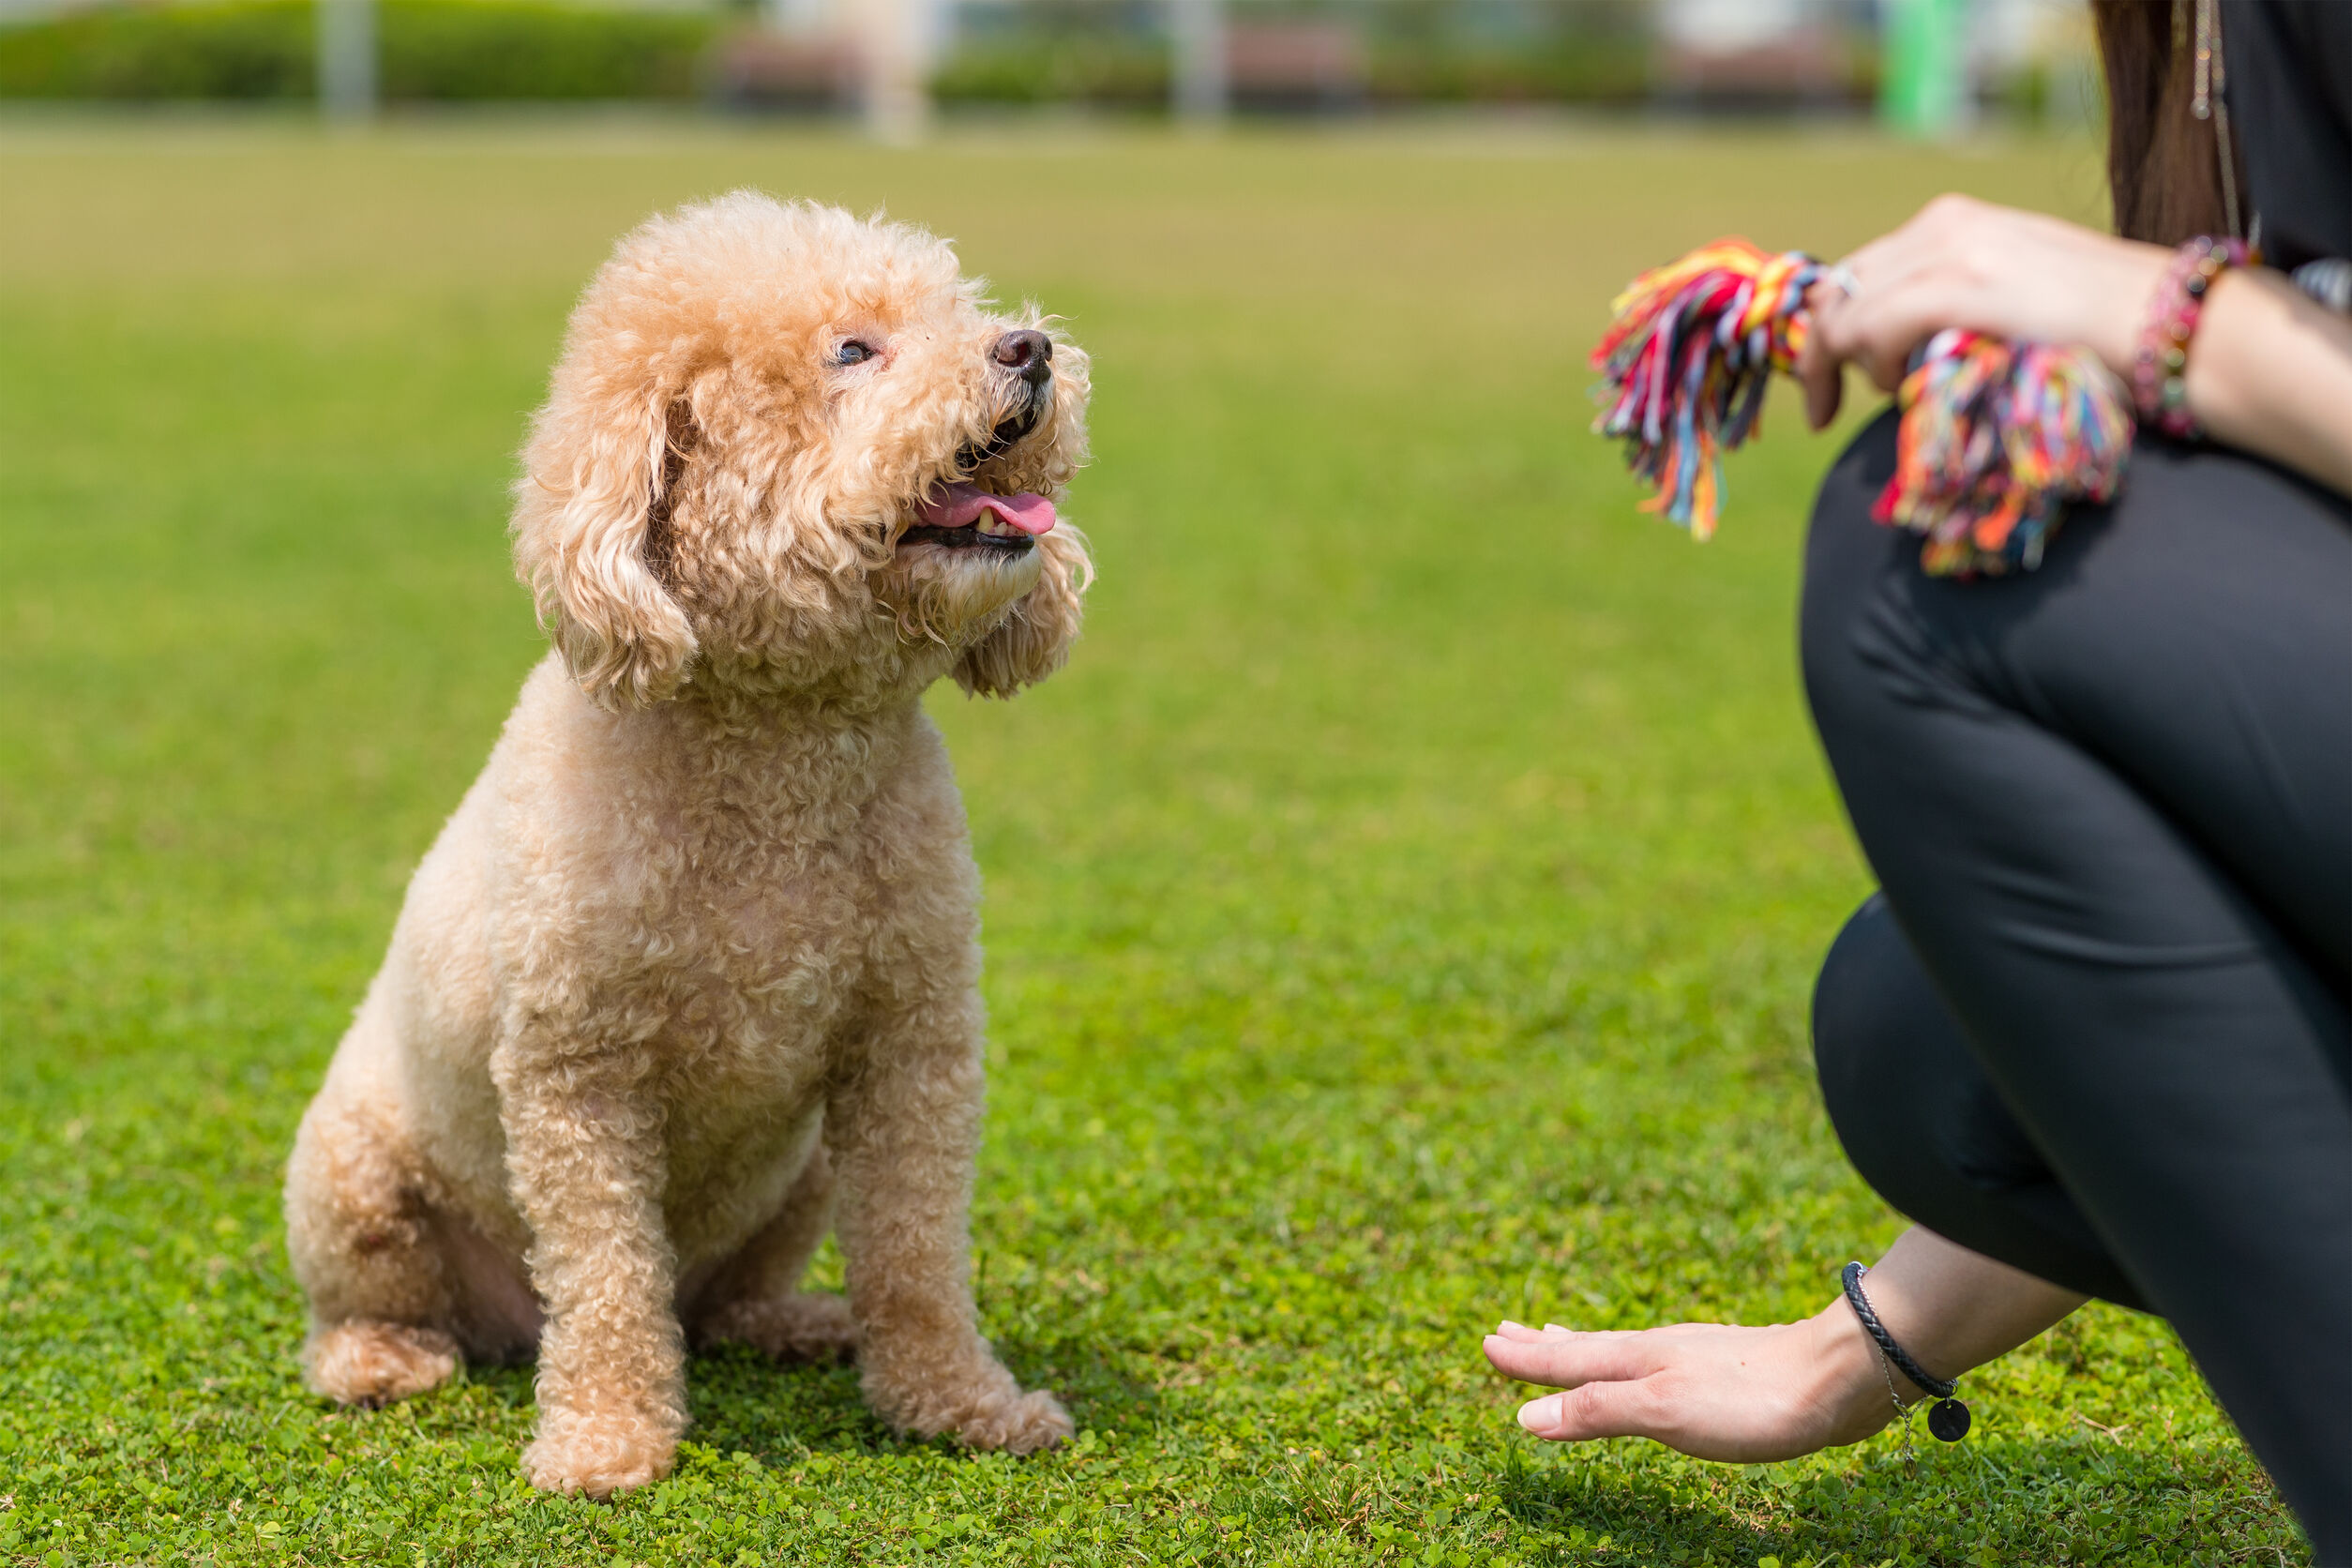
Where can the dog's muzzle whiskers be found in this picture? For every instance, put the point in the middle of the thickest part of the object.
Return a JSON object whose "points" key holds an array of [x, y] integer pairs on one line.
{"points": [[1009, 431]]}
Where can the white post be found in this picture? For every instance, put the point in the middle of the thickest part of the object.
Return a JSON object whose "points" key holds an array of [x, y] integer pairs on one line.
{"points": [[901, 41], [1197, 33], [793, 16], [347, 59]]}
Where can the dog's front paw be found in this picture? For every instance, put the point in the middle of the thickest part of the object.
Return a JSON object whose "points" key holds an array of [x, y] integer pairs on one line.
{"points": [[596, 1458], [366, 1362], [969, 1397], [1023, 1424]]}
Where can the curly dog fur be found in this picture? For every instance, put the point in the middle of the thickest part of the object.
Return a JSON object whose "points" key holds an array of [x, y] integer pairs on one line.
{"points": [[691, 974]]}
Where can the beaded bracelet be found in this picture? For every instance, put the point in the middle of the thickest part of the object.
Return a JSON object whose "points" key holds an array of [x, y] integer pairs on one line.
{"points": [[2160, 385]]}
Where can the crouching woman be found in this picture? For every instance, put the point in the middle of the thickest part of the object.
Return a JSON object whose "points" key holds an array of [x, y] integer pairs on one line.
{"points": [[2094, 1033]]}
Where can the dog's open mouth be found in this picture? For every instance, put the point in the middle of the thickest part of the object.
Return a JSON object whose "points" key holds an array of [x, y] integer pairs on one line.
{"points": [[965, 517]]}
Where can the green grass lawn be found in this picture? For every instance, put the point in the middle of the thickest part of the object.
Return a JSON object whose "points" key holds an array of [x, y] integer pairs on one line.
{"points": [[1400, 915]]}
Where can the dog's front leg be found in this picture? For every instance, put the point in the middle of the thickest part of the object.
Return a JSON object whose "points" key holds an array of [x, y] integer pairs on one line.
{"points": [[904, 1133], [586, 1163]]}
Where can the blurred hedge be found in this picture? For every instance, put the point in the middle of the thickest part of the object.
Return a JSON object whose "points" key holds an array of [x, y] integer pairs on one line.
{"points": [[1612, 70], [1125, 72], [488, 49], [1106, 72], [429, 49]]}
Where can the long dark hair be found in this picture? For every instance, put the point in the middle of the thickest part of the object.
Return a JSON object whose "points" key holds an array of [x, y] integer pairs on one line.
{"points": [[2162, 168]]}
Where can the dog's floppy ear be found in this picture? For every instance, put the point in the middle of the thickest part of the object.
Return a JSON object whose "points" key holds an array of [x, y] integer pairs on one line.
{"points": [[1034, 639], [593, 540]]}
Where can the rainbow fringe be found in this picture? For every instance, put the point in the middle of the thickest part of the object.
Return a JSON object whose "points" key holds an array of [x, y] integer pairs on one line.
{"points": [[1686, 362], [1996, 437]]}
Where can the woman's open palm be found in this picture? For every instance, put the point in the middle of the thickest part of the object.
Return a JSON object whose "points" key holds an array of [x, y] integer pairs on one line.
{"points": [[1714, 1390]]}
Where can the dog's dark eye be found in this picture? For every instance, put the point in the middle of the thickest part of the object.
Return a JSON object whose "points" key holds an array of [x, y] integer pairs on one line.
{"points": [[855, 352]]}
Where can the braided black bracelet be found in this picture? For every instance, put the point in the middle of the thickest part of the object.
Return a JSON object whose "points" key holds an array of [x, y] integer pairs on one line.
{"points": [[1949, 1419]]}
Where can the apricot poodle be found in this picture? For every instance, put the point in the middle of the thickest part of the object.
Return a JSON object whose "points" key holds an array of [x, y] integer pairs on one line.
{"points": [[690, 976]]}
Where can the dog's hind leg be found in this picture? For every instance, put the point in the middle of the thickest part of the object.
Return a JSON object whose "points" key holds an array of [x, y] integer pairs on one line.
{"points": [[755, 1298], [363, 1246]]}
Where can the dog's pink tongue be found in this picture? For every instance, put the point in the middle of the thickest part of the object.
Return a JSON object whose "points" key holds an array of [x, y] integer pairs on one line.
{"points": [[959, 506]]}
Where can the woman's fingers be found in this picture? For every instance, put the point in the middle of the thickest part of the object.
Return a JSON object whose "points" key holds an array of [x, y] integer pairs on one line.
{"points": [[1880, 305], [1565, 1359], [1879, 329], [1619, 1409], [1847, 310], [1822, 374], [1608, 1376], [1824, 382], [1885, 364], [1510, 1330]]}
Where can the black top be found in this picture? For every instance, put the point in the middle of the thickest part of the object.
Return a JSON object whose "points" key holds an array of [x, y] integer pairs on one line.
{"points": [[2290, 64]]}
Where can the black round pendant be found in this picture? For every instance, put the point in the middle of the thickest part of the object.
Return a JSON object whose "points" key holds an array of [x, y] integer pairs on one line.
{"points": [[1949, 1421]]}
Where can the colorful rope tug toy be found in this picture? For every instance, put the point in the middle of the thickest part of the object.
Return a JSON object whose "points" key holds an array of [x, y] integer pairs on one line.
{"points": [[1996, 440]]}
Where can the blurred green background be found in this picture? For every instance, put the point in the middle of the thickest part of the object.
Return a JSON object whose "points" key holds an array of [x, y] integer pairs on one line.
{"points": [[1400, 914], [2018, 60]]}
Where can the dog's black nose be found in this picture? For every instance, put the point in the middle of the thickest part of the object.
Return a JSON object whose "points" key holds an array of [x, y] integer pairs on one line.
{"points": [[1029, 352]]}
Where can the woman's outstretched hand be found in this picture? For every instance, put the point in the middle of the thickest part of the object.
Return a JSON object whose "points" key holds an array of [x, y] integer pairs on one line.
{"points": [[1748, 1396], [1715, 1391]]}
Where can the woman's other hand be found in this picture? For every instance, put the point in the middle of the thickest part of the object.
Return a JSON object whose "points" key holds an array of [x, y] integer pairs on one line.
{"points": [[1717, 1391], [1967, 263], [1714, 1390]]}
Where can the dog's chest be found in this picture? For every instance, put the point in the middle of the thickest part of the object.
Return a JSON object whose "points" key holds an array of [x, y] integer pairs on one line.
{"points": [[776, 890], [772, 951]]}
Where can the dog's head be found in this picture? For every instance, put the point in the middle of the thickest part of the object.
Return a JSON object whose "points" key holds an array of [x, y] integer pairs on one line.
{"points": [[789, 449]]}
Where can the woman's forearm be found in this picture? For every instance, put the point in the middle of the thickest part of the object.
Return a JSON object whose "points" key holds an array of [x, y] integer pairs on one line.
{"points": [[1953, 1309], [2270, 372]]}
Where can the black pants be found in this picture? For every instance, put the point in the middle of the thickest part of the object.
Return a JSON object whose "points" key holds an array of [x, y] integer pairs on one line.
{"points": [[2099, 1023]]}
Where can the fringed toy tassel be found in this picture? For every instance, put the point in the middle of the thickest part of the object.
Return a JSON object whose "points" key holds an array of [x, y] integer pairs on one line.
{"points": [[1996, 437], [1686, 362]]}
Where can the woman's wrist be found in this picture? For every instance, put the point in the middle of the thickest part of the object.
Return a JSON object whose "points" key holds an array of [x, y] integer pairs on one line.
{"points": [[2122, 291], [1953, 1309], [1850, 1386], [2272, 374]]}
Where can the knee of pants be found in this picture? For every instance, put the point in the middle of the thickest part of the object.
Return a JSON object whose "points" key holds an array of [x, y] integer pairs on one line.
{"points": [[1923, 1126], [1875, 1020]]}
